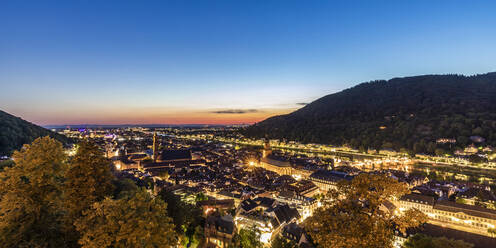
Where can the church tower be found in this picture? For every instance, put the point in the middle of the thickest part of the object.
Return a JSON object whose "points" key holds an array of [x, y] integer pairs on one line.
{"points": [[155, 147], [267, 150]]}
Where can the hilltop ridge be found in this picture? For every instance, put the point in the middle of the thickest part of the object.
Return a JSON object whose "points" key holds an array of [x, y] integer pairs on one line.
{"points": [[408, 113], [14, 132]]}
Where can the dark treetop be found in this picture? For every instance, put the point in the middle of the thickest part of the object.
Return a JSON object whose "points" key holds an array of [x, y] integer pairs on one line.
{"points": [[410, 113], [14, 132]]}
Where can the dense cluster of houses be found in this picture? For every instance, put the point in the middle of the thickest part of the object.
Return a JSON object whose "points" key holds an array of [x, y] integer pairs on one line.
{"points": [[275, 193]]}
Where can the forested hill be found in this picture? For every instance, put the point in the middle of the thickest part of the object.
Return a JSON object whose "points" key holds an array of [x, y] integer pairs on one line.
{"points": [[15, 132], [409, 113]]}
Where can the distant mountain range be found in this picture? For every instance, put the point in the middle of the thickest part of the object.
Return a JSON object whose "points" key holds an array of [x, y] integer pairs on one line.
{"points": [[408, 114], [96, 126], [14, 132]]}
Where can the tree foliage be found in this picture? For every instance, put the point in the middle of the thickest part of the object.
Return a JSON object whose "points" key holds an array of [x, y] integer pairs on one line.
{"points": [[124, 187], [187, 218], [137, 221], [248, 238], [409, 219], [492, 231], [424, 241], [5, 164], [88, 180], [413, 113], [281, 242], [354, 214], [200, 197], [42, 196], [14, 132], [30, 193]]}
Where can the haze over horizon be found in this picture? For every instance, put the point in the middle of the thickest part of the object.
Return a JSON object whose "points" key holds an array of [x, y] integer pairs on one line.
{"points": [[222, 62]]}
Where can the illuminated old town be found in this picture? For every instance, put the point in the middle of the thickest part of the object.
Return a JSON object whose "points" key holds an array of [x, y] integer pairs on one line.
{"points": [[274, 186], [247, 124]]}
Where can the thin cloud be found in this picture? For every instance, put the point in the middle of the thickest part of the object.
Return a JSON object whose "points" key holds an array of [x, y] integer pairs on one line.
{"points": [[235, 111], [301, 103]]}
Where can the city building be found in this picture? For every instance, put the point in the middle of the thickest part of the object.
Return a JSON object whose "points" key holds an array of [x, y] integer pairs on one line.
{"points": [[219, 231], [454, 215], [327, 180]]}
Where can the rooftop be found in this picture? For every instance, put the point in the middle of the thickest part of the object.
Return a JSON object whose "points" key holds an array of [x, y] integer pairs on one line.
{"points": [[169, 155], [467, 209], [333, 176], [419, 198]]}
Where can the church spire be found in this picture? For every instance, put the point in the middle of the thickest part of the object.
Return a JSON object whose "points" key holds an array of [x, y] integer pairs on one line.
{"points": [[267, 150], [154, 156]]}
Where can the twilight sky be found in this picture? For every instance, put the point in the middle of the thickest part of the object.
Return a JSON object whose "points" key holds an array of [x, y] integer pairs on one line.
{"points": [[232, 61]]}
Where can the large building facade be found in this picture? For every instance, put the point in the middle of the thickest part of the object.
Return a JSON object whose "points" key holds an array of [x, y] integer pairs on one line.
{"points": [[327, 180], [467, 218], [279, 165]]}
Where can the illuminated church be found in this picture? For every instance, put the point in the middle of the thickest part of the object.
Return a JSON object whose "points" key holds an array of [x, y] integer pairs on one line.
{"points": [[166, 158], [280, 165], [271, 163]]}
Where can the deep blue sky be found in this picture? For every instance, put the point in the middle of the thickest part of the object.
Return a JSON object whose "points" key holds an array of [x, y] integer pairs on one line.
{"points": [[67, 62]]}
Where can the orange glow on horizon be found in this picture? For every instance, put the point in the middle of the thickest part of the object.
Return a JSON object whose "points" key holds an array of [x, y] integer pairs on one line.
{"points": [[151, 116]]}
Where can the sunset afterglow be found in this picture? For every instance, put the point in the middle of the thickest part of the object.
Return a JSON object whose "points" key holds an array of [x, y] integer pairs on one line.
{"points": [[170, 62]]}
